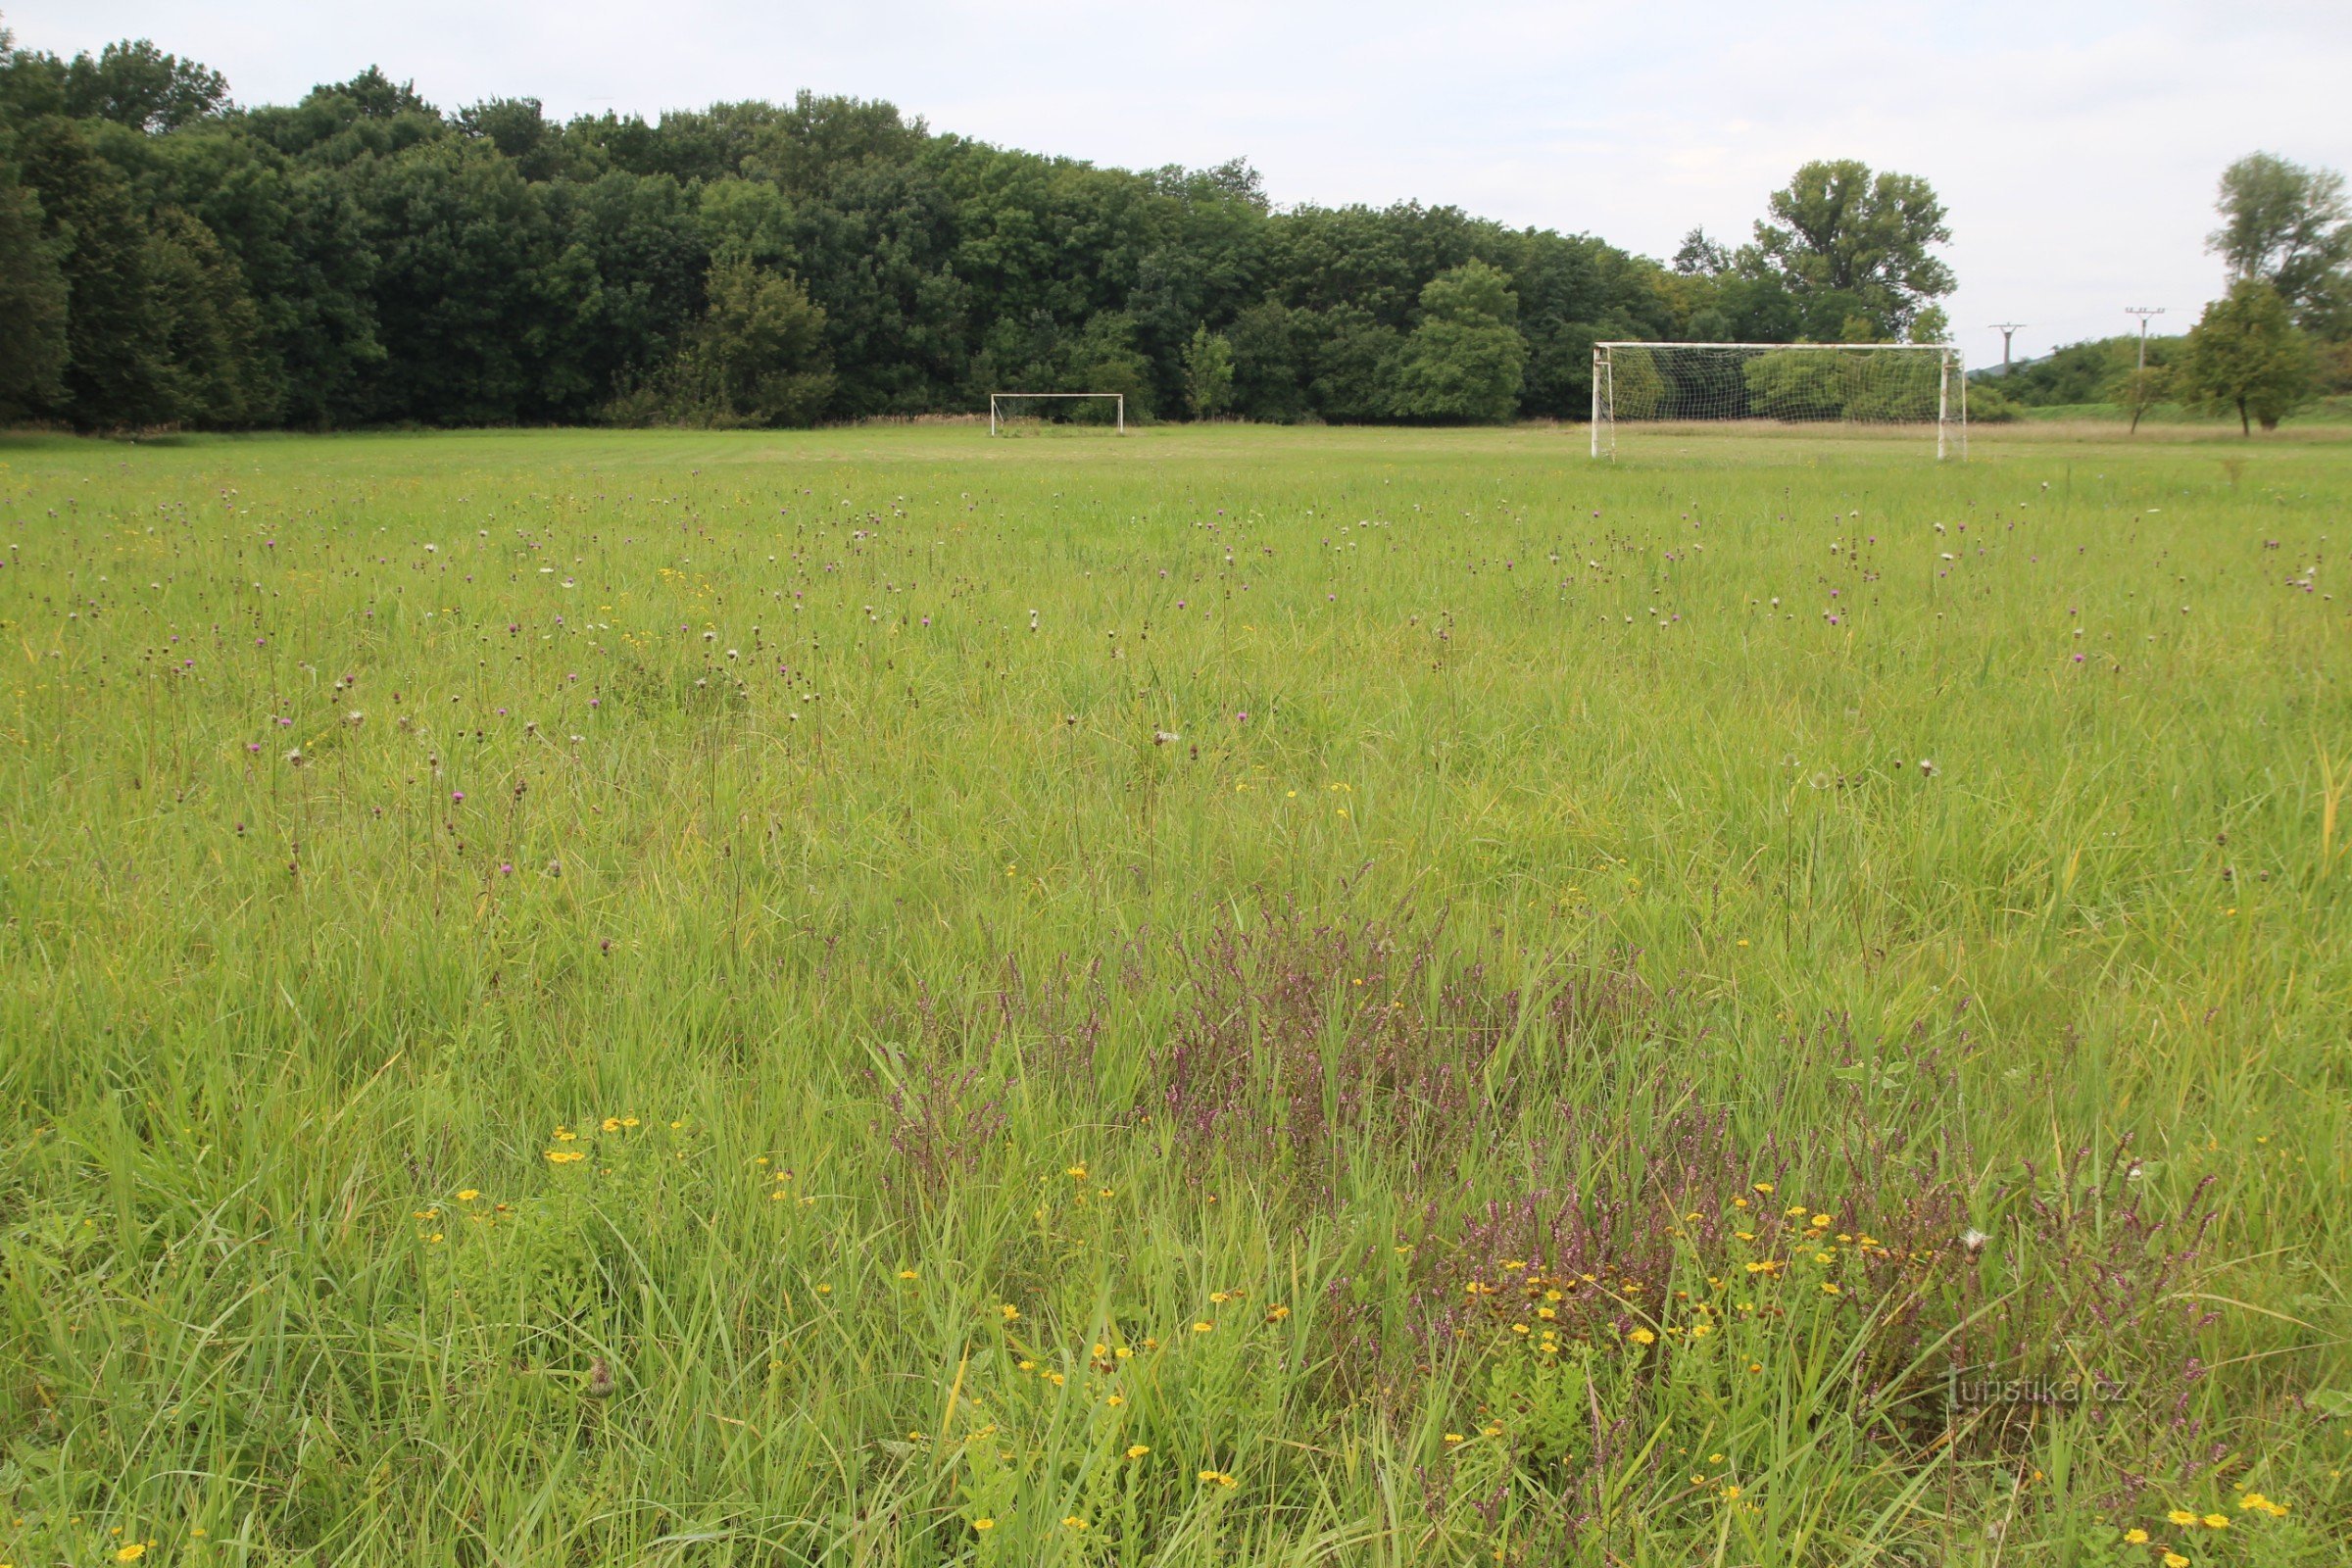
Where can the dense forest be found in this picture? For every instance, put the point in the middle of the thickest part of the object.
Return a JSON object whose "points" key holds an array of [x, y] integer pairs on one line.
{"points": [[168, 258]]}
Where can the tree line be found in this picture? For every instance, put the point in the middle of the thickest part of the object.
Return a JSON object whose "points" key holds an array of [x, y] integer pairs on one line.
{"points": [[2280, 333], [168, 258]]}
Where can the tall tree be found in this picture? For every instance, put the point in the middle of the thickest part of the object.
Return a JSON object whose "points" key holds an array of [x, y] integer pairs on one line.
{"points": [[118, 373], [2246, 353], [1702, 255], [138, 84], [33, 304], [1847, 242], [2291, 227]]}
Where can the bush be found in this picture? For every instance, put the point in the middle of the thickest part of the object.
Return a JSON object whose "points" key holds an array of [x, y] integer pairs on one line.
{"points": [[756, 358], [1988, 405], [1466, 359]]}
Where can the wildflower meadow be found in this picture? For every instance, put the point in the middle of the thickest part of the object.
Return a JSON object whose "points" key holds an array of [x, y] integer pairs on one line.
{"points": [[1225, 995]]}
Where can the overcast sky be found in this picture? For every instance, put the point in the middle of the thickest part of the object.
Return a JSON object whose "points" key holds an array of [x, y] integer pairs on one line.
{"points": [[2076, 142]]}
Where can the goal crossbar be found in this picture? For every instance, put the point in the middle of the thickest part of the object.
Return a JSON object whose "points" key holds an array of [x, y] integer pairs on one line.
{"points": [[1781, 383], [995, 399]]}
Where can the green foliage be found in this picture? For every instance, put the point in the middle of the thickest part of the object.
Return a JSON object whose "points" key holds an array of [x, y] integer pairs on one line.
{"points": [[2246, 356], [1817, 384], [1637, 387], [2137, 390], [1466, 359], [491, 265], [2289, 227], [757, 358], [1269, 362], [1105, 357], [2332, 367], [1989, 403], [133, 84], [1849, 244], [221, 374], [1796, 387], [2079, 373], [121, 327], [1356, 361], [33, 304], [1207, 373]]}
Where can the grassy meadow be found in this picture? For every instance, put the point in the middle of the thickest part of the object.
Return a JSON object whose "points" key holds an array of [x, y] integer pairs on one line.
{"points": [[1225, 996]]}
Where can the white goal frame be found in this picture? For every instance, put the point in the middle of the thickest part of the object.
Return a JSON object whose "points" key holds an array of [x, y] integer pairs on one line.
{"points": [[1951, 392], [1119, 398]]}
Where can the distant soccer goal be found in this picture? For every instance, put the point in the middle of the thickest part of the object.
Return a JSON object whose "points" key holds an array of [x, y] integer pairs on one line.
{"points": [[1786, 384], [1005, 409]]}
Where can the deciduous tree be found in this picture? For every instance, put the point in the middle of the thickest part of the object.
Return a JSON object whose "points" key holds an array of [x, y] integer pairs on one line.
{"points": [[2291, 227], [1846, 241], [33, 304], [1465, 361], [1207, 373], [2246, 353]]}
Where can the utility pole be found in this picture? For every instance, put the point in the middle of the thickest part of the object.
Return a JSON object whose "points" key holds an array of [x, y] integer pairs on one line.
{"points": [[2143, 311], [2008, 330]]}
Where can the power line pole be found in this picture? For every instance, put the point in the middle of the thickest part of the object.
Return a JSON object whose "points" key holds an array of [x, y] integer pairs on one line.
{"points": [[2143, 311], [2008, 330]]}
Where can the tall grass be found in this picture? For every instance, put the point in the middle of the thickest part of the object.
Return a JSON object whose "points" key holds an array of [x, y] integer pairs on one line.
{"points": [[878, 996]]}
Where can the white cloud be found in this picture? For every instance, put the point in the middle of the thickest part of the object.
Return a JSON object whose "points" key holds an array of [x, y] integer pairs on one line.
{"points": [[2076, 144]]}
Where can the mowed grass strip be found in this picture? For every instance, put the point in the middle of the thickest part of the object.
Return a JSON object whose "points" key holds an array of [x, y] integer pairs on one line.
{"points": [[1222, 995]]}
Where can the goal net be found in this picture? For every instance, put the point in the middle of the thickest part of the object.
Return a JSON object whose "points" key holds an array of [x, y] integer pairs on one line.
{"points": [[1020, 413], [1894, 384]]}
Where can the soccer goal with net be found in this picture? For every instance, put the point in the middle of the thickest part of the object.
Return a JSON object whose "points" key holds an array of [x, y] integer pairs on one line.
{"points": [[1790, 384], [1007, 408]]}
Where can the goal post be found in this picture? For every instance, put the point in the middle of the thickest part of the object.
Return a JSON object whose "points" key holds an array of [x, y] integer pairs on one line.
{"points": [[998, 402], [1781, 384]]}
